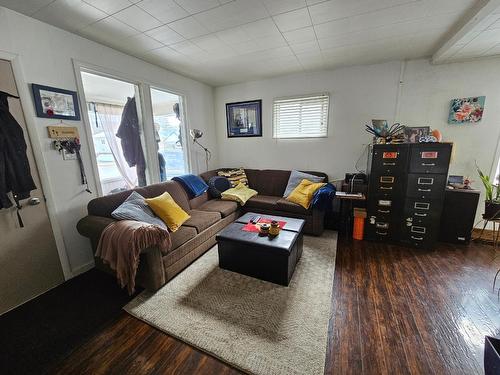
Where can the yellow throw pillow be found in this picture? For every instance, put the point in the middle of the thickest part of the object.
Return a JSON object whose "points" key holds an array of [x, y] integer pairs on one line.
{"points": [[166, 209], [240, 194], [304, 192]]}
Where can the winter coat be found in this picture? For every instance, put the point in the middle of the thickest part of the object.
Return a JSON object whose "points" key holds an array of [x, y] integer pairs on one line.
{"points": [[15, 174]]}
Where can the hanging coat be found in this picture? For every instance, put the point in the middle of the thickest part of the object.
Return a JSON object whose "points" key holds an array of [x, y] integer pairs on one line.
{"points": [[130, 135], [15, 174]]}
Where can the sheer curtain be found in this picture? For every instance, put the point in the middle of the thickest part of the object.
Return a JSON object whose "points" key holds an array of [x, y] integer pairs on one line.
{"points": [[109, 118]]}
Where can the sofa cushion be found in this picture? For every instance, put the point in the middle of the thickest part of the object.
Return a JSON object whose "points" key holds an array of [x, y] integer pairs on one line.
{"points": [[181, 236], [284, 205], [201, 220], [217, 185], [235, 176], [135, 208], [225, 208], [240, 194], [168, 210], [296, 178], [265, 202]]}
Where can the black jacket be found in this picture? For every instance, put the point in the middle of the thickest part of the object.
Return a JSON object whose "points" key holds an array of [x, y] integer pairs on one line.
{"points": [[15, 175]]}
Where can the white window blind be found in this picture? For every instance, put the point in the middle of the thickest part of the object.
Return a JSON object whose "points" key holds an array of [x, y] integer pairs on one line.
{"points": [[301, 117]]}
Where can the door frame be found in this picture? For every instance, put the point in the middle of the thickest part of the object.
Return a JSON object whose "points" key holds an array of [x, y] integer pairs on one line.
{"points": [[37, 147]]}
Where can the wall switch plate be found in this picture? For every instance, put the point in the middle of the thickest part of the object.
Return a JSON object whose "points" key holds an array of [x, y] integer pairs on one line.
{"points": [[68, 156]]}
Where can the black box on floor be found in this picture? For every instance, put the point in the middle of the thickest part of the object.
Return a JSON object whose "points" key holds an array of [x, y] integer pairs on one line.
{"points": [[459, 213]]}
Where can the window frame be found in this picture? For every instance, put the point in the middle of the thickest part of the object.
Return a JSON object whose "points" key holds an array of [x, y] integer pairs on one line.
{"points": [[300, 97]]}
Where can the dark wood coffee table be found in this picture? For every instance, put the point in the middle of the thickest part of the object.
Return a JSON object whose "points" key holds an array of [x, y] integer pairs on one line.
{"points": [[262, 257]]}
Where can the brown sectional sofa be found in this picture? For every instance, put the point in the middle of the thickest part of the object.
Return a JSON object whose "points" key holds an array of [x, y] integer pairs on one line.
{"points": [[208, 217], [271, 184]]}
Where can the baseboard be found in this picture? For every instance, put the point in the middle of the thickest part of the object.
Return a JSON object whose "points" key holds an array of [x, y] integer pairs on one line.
{"points": [[83, 268]]}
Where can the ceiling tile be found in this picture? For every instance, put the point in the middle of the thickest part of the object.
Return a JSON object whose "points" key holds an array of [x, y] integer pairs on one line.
{"points": [[142, 42], [164, 10], [186, 48], [261, 29], [109, 6], [25, 7], [165, 35], [195, 6], [300, 35], [209, 42], [109, 27], [69, 14], [307, 47], [232, 14], [188, 27], [137, 18], [337, 9], [233, 35], [293, 20], [281, 6]]}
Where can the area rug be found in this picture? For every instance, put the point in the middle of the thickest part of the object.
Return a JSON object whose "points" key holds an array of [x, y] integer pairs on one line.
{"points": [[253, 325]]}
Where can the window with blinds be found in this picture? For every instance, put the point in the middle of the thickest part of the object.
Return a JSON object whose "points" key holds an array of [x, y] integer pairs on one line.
{"points": [[301, 116]]}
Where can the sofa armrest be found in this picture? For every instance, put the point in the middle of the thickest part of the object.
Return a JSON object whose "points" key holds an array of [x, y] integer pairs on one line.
{"points": [[151, 271], [318, 219], [92, 226]]}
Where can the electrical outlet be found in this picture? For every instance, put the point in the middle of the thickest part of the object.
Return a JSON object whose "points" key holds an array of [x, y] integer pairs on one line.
{"points": [[68, 156]]}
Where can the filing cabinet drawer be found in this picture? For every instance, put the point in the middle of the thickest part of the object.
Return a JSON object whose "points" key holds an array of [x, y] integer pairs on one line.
{"points": [[386, 185], [423, 211], [419, 235], [383, 207], [379, 230], [426, 186], [389, 159], [430, 158]]}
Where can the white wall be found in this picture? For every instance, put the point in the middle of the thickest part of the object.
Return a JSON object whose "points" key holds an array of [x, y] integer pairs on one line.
{"points": [[45, 54], [359, 94]]}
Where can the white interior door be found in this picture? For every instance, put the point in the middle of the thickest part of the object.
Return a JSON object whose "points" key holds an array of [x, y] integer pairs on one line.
{"points": [[29, 262]]}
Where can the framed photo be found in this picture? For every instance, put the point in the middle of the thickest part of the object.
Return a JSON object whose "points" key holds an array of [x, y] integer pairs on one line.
{"points": [[413, 134], [51, 102], [466, 110], [244, 119]]}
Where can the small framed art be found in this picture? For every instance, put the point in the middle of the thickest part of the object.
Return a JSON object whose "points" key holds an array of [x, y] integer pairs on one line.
{"points": [[413, 134], [244, 119], [51, 102]]}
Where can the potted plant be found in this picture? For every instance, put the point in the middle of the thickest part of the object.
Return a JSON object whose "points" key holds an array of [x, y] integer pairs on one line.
{"points": [[492, 198]]}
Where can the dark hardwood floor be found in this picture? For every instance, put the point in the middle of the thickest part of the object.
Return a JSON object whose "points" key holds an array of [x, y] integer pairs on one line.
{"points": [[395, 310]]}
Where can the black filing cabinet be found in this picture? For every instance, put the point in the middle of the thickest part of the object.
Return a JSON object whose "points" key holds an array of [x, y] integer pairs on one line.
{"points": [[406, 192]]}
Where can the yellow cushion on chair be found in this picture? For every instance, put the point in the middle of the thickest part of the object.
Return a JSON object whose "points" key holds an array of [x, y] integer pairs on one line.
{"points": [[304, 192], [168, 210]]}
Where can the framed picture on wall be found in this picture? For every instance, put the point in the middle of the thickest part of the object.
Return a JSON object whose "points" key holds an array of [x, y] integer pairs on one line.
{"points": [[51, 102], [244, 119]]}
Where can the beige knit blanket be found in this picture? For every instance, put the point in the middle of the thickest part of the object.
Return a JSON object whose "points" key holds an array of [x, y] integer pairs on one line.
{"points": [[121, 244]]}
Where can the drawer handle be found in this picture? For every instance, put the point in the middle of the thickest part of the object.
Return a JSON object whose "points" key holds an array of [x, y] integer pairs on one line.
{"points": [[387, 179], [381, 233], [389, 163], [386, 188], [429, 164], [419, 214], [417, 238], [384, 211], [424, 190]]}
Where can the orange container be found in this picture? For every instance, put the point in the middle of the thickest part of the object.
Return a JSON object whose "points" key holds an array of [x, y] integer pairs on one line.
{"points": [[358, 229], [359, 223]]}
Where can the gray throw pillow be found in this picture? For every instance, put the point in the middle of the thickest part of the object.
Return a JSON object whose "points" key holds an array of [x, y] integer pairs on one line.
{"points": [[136, 208], [296, 177]]}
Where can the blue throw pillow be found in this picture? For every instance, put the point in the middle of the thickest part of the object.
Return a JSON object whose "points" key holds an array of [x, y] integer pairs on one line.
{"points": [[217, 185], [136, 208]]}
